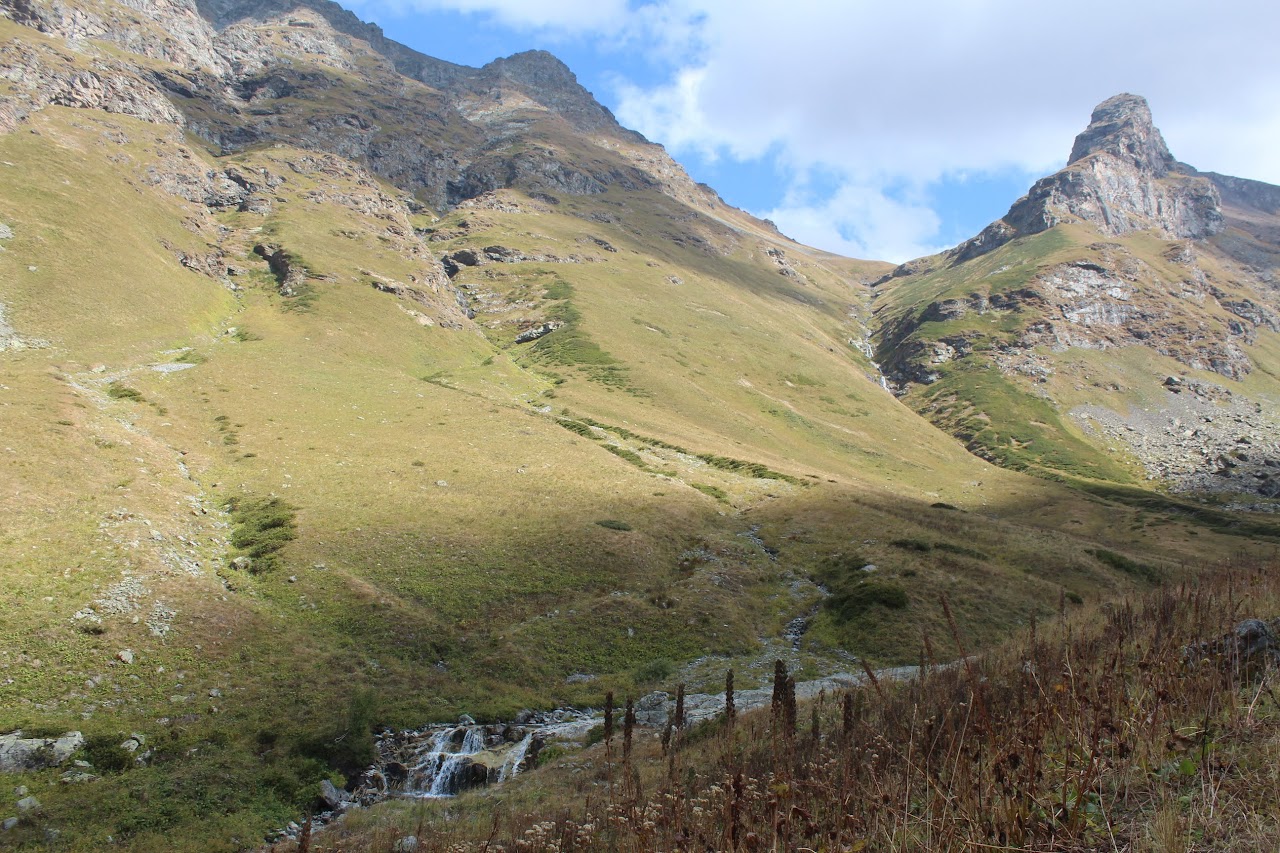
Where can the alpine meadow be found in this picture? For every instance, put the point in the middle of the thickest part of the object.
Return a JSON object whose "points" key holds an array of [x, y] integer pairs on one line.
{"points": [[398, 455]]}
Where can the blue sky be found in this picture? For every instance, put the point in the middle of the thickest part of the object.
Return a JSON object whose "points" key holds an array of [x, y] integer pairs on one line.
{"points": [[886, 130]]}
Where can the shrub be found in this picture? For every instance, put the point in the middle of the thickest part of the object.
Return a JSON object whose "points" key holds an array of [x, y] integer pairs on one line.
{"points": [[625, 453], [852, 602], [961, 550], [714, 491], [262, 527], [106, 754], [117, 391], [655, 670], [1120, 562], [613, 525]]}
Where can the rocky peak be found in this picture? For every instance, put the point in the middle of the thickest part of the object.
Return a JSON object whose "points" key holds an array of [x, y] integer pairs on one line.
{"points": [[1120, 178], [543, 78], [1122, 127]]}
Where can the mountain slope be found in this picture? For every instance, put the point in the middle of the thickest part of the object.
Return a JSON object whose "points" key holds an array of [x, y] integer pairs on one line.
{"points": [[345, 386], [1125, 309]]}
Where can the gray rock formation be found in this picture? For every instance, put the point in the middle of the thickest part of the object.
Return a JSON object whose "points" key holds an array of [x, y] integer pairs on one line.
{"points": [[18, 753], [1121, 178], [234, 69]]}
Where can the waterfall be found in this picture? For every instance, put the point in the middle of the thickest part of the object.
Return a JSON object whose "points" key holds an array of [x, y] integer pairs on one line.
{"points": [[439, 763], [511, 766]]}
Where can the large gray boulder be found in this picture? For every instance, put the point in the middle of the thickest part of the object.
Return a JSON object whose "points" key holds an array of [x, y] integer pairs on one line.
{"points": [[18, 753]]}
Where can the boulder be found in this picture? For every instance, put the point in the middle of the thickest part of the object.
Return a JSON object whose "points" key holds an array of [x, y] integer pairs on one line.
{"points": [[334, 797], [1251, 642], [542, 330], [18, 753], [651, 710]]}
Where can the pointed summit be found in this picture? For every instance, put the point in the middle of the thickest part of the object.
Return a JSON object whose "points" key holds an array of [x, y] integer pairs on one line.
{"points": [[1121, 178], [1121, 126]]}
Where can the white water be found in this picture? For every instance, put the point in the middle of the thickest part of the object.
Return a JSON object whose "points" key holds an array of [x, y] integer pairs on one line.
{"points": [[511, 766], [439, 762]]}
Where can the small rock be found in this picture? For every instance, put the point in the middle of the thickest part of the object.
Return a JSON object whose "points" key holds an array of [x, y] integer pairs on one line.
{"points": [[21, 791], [466, 720], [125, 655], [28, 804], [215, 693], [293, 578], [870, 567], [441, 483], [242, 563], [9, 823], [407, 844]]}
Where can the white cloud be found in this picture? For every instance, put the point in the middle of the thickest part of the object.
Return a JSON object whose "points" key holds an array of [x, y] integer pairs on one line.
{"points": [[878, 94], [860, 222], [919, 89], [563, 16], [883, 94]]}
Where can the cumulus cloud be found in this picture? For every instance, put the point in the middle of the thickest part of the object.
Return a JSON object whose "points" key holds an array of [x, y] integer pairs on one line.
{"points": [[921, 89], [878, 96], [570, 17], [858, 221]]}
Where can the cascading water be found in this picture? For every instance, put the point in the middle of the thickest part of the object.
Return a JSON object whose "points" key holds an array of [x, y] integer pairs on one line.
{"points": [[511, 766], [441, 761]]}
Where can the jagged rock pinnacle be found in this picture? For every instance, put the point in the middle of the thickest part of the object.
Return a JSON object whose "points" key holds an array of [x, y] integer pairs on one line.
{"points": [[1121, 178], [1121, 126]]}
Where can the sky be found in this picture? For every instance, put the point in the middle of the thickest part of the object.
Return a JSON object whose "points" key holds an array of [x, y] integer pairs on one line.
{"points": [[888, 129]]}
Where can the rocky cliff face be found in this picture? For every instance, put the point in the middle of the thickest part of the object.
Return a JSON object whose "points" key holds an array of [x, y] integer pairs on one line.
{"points": [[308, 72], [1120, 178], [1021, 301]]}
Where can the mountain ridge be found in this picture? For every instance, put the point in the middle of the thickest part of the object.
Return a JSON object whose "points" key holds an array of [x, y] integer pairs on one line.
{"points": [[334, 399], [1124, 249]]}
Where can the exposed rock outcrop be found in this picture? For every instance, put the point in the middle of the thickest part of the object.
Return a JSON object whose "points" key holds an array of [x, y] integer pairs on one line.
{"points": [[1120, 178], [18, 753]]}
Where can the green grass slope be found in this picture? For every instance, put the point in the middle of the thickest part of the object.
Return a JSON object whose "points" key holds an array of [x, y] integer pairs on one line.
{"points": [[304, 511], [995, 356]]}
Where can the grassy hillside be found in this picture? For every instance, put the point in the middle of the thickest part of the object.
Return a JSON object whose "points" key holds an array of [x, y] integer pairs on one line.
{"points": [[270, 485], [1012, 351], [1141, 727]]}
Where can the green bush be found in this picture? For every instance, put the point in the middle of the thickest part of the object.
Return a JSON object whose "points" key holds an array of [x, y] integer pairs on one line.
{"points": [[654, 671], [626, 453], [1120, 562], [714, 491], [106, 754], [852, 602], [961, 550], [613, 525], [117, 391], [262, 527]]}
